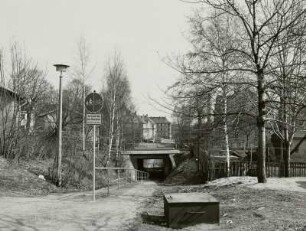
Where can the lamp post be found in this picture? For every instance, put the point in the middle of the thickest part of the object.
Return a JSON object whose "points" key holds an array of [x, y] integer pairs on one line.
{"points": [[61, 68]]}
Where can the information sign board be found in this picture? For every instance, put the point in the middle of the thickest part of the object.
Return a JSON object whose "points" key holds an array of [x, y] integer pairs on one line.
{"points": [[93, 119]]}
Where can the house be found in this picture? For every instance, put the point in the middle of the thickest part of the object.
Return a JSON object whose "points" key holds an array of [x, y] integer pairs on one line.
{"points": [[298, 146], [11, 109], [163, 127], [149, 128], [12, 119]]}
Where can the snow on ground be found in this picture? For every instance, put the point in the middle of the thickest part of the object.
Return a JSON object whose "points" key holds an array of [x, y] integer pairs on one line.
{"points": [[294, 184], [247, 180], [297, 184]]}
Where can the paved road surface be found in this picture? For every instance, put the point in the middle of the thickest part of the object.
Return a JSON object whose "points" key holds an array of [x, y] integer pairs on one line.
{"points": [[76, 211]]}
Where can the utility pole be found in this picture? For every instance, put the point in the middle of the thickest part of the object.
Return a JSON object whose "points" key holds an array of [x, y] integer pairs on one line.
{"points": [[61, 68]]}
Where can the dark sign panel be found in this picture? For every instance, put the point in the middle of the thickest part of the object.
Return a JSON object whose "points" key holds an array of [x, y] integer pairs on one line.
{"points": [[93, 102]]}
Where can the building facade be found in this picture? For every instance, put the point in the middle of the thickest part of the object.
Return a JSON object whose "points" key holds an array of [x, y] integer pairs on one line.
{"points": [[149, 129], [163, 127], [11, 109]]}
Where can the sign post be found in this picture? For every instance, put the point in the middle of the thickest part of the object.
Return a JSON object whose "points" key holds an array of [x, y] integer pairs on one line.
{"points": [[93, 104], [94, 165]]}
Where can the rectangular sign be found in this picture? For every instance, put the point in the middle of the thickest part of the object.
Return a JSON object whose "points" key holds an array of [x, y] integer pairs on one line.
{"points": [[93, 119]]}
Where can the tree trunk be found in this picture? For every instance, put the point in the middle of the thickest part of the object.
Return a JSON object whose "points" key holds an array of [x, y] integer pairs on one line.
{"points": [[286, 142], [261, 155], [111, 129], [287, 159], [281, 160], [117, 139], [111, 136], [282, 145], [225, 130], [29, 120], [198, 139]]}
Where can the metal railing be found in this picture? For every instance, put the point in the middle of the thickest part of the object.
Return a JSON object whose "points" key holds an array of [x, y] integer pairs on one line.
{"points": [[246, 168], [123, 176]]}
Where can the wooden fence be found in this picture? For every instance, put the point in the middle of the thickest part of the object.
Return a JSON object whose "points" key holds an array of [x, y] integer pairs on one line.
{"points": [[243, 168]]}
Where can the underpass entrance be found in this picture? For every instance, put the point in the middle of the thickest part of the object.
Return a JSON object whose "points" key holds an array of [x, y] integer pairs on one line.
{"points": [[155, 168], [158, 168], [157, 162]]}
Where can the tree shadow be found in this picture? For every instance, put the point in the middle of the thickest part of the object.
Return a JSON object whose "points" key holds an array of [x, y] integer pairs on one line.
{"points": [[7, 222], [153, 219], [302, 184]]}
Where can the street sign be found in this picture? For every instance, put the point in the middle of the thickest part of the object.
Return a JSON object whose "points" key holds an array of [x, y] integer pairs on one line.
{"points": [[93, 102], [93, 119]]}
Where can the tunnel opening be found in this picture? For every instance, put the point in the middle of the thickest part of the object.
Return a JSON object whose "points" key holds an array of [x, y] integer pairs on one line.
{"points": [[155, 168], [158, 163]]}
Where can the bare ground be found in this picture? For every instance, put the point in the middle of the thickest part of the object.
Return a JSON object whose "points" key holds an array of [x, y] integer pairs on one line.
{"points": [[245, 205], [76, 211]]}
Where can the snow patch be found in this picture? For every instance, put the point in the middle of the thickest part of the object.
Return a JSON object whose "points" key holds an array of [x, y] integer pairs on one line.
{"points": [[292, 184]]}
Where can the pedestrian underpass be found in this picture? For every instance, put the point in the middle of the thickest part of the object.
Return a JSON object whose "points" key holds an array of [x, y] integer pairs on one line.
{"points": [[157, 162]]}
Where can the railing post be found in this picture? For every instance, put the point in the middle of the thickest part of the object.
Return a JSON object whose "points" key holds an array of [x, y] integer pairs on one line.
{"points": [[108, 182], [131, 175], [118, 175], [126, 178]]}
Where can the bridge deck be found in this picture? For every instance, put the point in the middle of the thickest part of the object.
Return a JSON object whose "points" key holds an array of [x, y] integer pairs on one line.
{"points": [[151, 152]]}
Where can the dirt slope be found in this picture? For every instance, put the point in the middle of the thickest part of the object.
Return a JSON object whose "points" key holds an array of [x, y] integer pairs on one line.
{"points": [[185, 173], [21, 180]]}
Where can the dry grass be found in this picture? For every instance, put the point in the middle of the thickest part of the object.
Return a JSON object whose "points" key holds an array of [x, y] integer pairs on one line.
{"points": [[244, 208], [17, 180]]}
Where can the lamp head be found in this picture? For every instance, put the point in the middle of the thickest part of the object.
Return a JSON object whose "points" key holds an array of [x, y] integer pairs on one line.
{"points": [[61, 67]]}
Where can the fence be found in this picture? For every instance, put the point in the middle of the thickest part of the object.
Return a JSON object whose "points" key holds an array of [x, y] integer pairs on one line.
{"points": [[123, 176], [244, 168]]}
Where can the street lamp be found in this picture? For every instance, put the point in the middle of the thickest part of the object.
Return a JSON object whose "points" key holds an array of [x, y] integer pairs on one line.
{"points": [[61, 68]]}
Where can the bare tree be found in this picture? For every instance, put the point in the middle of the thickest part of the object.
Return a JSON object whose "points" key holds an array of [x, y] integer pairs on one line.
{"points": [[2, 79], [262, 23], [83, 70], [117, 95], [27, 80], [25, 88], [212, 39], [288, 92]]}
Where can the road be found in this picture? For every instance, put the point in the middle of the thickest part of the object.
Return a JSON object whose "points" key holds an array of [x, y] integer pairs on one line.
{"points": [[76, 211]]}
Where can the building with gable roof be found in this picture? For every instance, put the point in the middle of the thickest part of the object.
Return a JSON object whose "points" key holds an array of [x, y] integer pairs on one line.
{"points": [[163, 127], [148, 128], [11, 109]]}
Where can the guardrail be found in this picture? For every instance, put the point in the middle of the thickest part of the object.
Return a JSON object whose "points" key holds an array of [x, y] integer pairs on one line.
{"points": [[123, 176], [245, 168]]}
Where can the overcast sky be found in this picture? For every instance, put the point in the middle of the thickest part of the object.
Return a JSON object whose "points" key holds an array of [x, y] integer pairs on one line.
{"points": [[144, 31]]}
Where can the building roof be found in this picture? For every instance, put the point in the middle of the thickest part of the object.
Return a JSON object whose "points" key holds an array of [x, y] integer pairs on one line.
{"points": [[299, 134], [160, 120], [145, 119], [6, 91]]}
